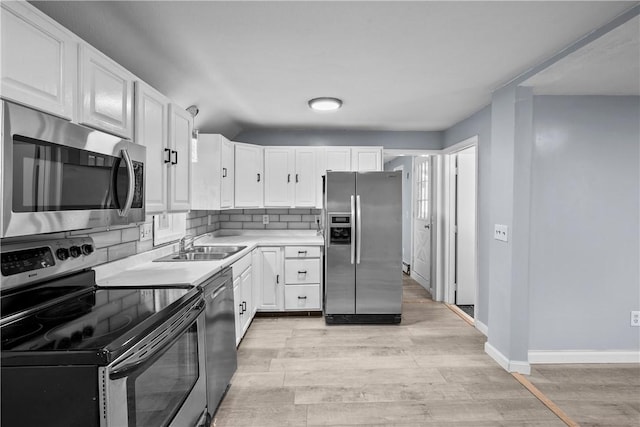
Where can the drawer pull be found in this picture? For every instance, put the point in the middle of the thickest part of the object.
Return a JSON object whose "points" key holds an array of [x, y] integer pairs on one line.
{"points": [[241, 312], [302, 297], [302, 252], [244, 306], [302, 272]]}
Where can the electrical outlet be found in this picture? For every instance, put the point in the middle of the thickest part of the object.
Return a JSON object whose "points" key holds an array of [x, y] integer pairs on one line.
{"points": [[501, 232], [265, 219], [146, 232], [635, 318]]}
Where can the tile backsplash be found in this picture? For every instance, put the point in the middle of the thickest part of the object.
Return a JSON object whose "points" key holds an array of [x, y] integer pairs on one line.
{"points": [[279, 219]]}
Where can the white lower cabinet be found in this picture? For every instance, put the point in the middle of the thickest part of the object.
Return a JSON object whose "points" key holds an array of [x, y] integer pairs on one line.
{"points": [[271, 280], [302, 290], [243, 295]]}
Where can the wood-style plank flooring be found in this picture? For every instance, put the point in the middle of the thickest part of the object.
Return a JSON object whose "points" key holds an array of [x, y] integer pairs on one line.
{"points": [[431, 370]]}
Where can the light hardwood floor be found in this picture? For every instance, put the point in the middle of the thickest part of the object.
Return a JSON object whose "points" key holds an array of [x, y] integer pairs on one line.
{"points": [[431, 370]]}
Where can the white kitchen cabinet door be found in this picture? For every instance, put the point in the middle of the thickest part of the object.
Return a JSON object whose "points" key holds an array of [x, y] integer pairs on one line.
{"points": [[249, 176], [279, 171], [106, 93], [271, 291], [212, 173], [152, 114], [228, 174], [246, 283], [39, 60], [364, 159], [237, 309], [306, 177], [337, 159], [180, 159]]}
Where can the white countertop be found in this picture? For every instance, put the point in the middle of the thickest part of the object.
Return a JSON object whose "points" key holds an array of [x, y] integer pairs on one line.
{"points": [[140, 270]]}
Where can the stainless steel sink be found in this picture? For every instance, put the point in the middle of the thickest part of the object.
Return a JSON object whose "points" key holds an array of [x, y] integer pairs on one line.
{"points": [[202, 253], [213, 249]]}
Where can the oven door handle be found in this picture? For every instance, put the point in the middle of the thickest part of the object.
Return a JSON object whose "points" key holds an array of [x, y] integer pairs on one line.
{"points": [[132, 184], [158, 350]]}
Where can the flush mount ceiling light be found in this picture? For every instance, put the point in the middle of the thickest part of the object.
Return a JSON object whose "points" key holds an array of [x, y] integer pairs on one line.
{"points": [[325, 104]]}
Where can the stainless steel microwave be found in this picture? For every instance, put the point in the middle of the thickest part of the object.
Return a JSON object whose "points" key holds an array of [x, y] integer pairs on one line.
{"points": [[60, 176]]}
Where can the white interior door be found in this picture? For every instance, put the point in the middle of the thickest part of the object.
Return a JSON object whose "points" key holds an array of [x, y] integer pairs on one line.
{"points": [[466, 227], [421, 265]]}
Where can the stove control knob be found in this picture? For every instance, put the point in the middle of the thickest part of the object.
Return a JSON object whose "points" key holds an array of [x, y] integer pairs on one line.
{"points": [[75, 251], [87, 249], [62, 254]]}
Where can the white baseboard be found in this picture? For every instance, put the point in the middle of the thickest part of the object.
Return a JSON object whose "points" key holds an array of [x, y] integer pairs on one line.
{"points": [[481, 327], [423, 282], [519, 366], [583, 356]]}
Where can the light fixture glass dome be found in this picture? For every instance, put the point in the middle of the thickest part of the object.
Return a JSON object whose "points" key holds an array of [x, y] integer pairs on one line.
{"points": [[325, 104]]}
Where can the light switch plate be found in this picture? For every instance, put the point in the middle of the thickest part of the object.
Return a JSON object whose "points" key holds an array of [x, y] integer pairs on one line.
{"points": [[501, 232], [635, 318]]}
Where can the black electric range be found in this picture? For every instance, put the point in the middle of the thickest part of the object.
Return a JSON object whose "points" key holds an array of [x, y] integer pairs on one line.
{"points": [[87, 356], [85, 324]]}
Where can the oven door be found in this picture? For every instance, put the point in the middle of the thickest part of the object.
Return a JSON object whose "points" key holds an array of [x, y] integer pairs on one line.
{"points": [[59, 176], [162, 382]]}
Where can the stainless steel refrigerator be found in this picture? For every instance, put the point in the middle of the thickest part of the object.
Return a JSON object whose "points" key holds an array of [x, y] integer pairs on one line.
{"points": [[363, 247]]}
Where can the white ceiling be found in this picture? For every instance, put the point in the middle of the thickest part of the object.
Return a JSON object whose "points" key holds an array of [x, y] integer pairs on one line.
{"points": [[397, 65]]}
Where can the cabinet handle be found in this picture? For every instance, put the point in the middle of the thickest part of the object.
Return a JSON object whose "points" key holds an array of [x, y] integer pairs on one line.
{"points": [[302, 297], [258, 177], [167, 159], [277, 278], [302, 272], [297, 180], [302, 252], [175, 153], [244, 306], [288, 178], [224, 172], [241, 312]]}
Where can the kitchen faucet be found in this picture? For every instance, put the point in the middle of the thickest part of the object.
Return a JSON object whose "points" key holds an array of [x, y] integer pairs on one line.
{"points": [[187, 242]]}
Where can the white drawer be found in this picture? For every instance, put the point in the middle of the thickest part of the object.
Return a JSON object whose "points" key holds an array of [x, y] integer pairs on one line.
{"points": [[302, 251], [241, 265], [302, 297], [302, 271]]}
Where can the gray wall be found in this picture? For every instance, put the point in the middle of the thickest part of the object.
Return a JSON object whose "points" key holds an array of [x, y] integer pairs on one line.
{"points": [[584, 277], [407, 186], [479, 124], [388, 139]]}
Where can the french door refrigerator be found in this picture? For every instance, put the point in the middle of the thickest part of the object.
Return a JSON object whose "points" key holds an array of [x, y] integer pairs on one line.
{"points": [[363, 247]]}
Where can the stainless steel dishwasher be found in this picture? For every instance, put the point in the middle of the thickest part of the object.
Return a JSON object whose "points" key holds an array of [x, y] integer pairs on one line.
{"points": [[220, 342]]}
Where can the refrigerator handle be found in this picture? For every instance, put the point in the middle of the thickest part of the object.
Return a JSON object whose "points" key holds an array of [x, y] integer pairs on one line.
{"points": [[353, 230], [358, 228]]}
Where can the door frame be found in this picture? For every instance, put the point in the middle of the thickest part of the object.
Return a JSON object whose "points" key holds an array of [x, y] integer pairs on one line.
{"points": [[401, 169], [446, 283]]}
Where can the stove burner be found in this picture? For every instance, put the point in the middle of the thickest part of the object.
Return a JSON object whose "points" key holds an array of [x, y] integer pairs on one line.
{"points": [[61, 312], [19, 332]]}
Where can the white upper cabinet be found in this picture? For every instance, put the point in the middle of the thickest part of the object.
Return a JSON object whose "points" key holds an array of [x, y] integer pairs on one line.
{"points": [[306, 177], [279, 175], [39, 60], [337, 159], [180, 159], [106, 91], [364, 159], [212, 173], [152, 129], [249, 176], [290, 177]]}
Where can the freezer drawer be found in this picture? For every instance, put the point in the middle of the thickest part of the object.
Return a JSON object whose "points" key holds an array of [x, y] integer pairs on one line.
{"points": [[302, 297], [300, 271]]}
